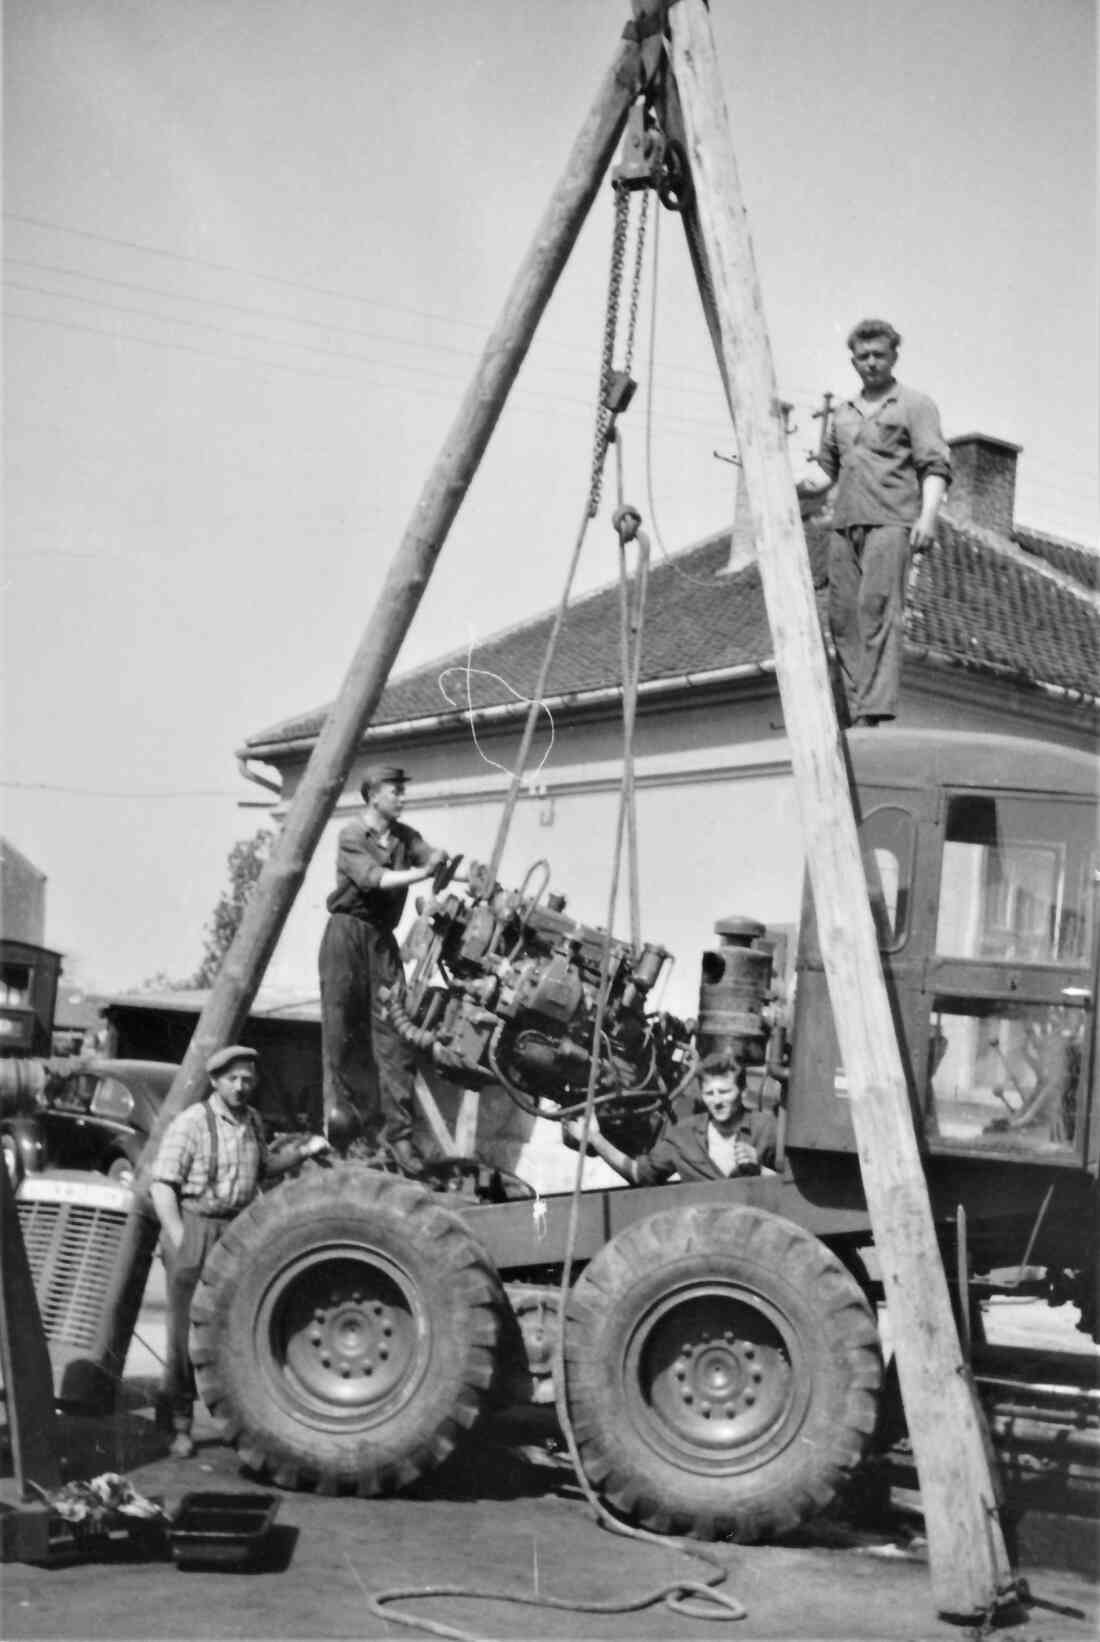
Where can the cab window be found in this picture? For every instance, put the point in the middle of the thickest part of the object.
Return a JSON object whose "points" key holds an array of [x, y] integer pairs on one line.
{"points": [[1016, 880], [1006, 1076], [888, 843]]}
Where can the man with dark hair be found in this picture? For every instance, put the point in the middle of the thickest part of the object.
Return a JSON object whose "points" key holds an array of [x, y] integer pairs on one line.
{"points": [[724, 1139], [366, 1064], [888, 458]]}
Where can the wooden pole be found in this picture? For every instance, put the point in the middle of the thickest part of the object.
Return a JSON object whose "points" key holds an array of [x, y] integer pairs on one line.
{"points": [[970, 1569], [323, 782]]}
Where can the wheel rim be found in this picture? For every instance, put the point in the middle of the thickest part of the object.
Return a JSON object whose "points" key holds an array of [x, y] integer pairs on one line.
{"points": [[715, 1377], [341, 1334]]}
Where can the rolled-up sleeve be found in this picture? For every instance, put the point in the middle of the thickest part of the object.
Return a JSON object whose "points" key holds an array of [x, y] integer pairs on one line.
{"points": [[419, 852], [931, 455], [828, 457], [355, 860]]}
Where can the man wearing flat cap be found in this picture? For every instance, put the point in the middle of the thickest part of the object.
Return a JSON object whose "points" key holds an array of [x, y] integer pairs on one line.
{"points": [[209, 1166], [366, 1064]]}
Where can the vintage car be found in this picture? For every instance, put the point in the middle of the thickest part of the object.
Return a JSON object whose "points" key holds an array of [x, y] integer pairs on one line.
{"points": [[96, 1114]]}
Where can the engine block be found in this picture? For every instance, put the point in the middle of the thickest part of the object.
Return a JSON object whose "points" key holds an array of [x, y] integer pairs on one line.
{"points": [[504, 987]]}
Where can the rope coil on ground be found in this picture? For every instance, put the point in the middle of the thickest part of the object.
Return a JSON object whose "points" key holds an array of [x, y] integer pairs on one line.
{"points": [[691, 1598]]}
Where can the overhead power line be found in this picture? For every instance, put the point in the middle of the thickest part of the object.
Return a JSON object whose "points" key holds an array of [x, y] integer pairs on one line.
{"points": [[582, 405]]}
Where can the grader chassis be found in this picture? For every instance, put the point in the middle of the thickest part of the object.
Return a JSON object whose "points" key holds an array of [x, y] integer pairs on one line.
{"points": [[723, 1371]]}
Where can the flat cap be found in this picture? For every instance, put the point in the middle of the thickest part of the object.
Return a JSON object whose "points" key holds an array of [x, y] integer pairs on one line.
{"points": [[226, 1057], [375, 774]]}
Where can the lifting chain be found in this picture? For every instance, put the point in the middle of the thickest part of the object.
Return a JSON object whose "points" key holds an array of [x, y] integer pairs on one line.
{"points": [[617, 386], [636, 286], [605, 418]]}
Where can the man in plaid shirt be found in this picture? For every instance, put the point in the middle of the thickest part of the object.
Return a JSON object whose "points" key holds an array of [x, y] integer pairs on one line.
{"points": [[209, 1167]]}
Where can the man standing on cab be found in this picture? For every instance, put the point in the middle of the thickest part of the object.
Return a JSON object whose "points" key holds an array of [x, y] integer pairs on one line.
{"points": [[366, 1064], [887, 455]]}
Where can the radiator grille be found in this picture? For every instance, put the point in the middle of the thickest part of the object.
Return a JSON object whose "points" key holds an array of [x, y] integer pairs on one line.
{"points": [[73, 1252]]}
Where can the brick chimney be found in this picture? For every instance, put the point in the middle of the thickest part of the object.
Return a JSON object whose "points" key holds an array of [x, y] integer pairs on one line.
{"points": [[983, 491]]}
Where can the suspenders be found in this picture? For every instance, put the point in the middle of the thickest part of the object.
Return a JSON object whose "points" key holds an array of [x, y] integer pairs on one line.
{"points": [[212, 1131]]}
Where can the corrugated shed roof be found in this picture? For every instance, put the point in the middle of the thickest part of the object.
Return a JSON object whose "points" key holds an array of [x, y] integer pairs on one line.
{"points": [[969, 603]]}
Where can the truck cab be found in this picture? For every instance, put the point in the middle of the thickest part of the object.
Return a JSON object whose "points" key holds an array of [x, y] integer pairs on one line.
{"points": [[981, 855]]}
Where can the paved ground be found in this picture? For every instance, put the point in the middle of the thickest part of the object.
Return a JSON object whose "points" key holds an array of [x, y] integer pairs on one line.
{"points": [[506, 1518]]}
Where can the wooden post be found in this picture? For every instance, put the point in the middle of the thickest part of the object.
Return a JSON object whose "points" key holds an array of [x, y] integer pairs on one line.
{"points": [[970, 1569], [323, 782]]}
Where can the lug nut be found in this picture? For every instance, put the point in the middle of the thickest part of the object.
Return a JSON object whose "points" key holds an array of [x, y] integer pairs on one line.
{"points": [[750, 1352], [758, 1374], [749, 1398]]}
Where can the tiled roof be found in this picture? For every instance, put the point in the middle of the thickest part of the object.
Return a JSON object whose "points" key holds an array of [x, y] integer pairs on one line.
{"points": [[969, 604], [1061, 555]]}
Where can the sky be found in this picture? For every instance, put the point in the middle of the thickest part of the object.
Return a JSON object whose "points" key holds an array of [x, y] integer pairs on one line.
{"points": [[252, 249]]}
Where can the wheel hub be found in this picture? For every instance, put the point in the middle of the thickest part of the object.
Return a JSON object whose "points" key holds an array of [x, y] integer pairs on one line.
{"points": [[356, 1344], [715, 1373]]}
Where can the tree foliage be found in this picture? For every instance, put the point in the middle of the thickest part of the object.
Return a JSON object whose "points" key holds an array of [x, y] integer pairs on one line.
{"points": [[245, 862]]}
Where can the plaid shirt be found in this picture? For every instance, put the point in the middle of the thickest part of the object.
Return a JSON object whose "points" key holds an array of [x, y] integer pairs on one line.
{"points": [[184, 1159]]}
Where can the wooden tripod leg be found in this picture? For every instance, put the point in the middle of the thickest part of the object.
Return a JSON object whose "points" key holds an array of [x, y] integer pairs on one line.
{"points": [[971, 1574]]}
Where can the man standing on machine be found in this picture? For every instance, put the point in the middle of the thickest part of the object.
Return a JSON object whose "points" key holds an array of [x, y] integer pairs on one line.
{"points": [[366, 1065]]}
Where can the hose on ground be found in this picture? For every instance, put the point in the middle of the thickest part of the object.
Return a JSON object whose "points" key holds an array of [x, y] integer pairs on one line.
{"points": [[691, 1598]]}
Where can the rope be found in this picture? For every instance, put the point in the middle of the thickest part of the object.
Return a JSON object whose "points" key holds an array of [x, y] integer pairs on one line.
{"points": [[536, 704], [710, 1603], [689, 1598], [467, 672], [695, 581], [604, 433], [692, 1598]]}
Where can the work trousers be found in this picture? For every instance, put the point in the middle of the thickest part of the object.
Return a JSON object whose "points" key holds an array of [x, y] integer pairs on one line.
{"points": [[366, 1064], [183, 1268], [868, 569]]}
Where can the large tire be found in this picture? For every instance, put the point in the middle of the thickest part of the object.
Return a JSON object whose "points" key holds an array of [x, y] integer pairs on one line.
{"points": [[345, 1332], [721, 1373]]}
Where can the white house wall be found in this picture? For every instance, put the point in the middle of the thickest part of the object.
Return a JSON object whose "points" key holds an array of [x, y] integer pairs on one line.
{"points": [[717, 825]]}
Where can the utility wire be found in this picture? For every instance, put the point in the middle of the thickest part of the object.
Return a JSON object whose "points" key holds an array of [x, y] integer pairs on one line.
{"points": [[251, 310], [671, 422], [290, 284]]}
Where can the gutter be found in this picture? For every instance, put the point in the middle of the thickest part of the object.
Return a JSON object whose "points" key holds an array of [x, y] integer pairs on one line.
{"points": [[249, 774], [503, 711], [960, 664]]}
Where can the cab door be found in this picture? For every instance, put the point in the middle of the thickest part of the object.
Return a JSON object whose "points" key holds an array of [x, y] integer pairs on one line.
{"points": [[1008, 983]]}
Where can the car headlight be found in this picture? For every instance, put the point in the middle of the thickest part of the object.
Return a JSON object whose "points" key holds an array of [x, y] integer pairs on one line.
{"points": [[112, 1100]]}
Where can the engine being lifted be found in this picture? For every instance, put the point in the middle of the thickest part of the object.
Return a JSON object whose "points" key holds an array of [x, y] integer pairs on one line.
{"points": [[504, 988]]}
